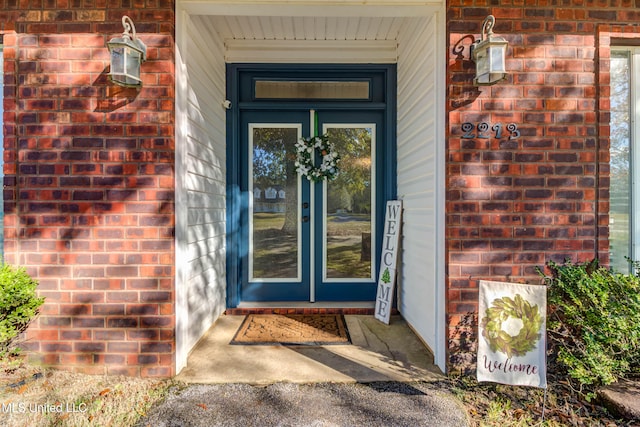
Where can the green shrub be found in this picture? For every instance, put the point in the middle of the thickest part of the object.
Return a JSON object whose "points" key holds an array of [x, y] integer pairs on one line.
{"points": [[593, 322], [19, 304]]}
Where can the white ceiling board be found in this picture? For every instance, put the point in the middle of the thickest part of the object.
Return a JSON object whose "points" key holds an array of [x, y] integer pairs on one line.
{"points": [[305, 28], [311, 51]]}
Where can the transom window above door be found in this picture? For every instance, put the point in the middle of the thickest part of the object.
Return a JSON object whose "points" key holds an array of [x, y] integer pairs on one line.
{"points": [[321, 85], [282, 89]]}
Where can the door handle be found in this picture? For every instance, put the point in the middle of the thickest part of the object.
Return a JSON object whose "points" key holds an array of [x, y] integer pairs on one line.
{"points": [[305, 205], [305, 218]]}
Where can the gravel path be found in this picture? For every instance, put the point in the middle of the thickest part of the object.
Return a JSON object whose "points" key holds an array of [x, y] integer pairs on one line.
{"points": [[317, 405]]}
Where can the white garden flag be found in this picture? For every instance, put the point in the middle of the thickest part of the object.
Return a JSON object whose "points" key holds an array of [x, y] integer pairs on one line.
{"points": [[512, 334]]}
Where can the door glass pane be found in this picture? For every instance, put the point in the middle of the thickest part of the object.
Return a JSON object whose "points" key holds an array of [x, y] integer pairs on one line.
{"points": [[274, 237], [620, 213], [348, 202], [277, 89]]}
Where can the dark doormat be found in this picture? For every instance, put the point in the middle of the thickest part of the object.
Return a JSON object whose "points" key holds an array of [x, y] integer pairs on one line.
{"points": [[292, 329]]}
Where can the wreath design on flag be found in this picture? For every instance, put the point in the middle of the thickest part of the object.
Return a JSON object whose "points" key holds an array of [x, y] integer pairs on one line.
{"points": [[307, 149], [500, 311]]}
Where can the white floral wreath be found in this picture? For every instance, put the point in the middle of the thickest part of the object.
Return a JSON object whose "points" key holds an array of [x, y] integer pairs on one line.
{"points": [[306, 150]]}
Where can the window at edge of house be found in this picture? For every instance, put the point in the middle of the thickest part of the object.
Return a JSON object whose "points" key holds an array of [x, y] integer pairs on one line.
{"points": [[1, 149], [624, 158]]}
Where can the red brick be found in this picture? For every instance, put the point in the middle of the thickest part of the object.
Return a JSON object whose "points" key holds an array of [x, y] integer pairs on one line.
{"points": [[124, 370], [89, 347], [75, 359], [552, 85], [75, 335], [155, 372]]}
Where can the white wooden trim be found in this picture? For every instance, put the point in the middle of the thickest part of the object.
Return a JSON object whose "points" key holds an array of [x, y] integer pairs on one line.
{"points": [[312, 237], [634, 58], [328, 8], [442, 334], [311, 51], [181, 291]]}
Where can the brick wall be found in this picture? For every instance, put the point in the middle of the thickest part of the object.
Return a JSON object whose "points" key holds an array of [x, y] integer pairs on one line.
{"points": [[515, 203], [89, 181]]}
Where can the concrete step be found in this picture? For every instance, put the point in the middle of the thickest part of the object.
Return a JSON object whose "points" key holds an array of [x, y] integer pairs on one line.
{"points": [[623, 398]]}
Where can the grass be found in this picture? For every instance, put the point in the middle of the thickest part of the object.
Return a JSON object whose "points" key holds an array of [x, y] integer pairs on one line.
{"points": [[266, 220], [275, 252], [122, 401], [345, 261], [36, 397], [353, 224]]}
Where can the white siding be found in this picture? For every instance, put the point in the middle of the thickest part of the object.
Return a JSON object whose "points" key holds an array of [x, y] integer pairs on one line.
{"points": [[201, 183], [420, 179]]}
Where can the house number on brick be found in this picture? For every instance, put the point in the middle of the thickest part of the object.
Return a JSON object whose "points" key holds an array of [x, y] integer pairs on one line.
{"points": [[486, 131]]}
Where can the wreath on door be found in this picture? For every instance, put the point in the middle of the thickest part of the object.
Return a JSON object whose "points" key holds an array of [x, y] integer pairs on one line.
{"points": [[308, 149]]}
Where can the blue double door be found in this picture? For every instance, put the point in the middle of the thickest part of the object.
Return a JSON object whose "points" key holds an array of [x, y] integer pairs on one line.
{"points": [[290, 238], [310, 240]]}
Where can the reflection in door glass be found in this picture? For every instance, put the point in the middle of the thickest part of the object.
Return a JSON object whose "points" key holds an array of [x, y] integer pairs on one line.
{"points": [[274, 235], [348, 205]]}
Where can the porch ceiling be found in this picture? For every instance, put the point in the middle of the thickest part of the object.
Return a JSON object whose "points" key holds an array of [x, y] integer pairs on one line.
{"points": [[310, 31], [306, 28]]}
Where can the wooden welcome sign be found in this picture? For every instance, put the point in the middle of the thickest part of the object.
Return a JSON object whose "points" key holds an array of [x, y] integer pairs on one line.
{"points": [[388, 259]]}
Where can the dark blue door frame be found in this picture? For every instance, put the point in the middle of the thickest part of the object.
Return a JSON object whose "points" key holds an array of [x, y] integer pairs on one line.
{"points": [[240, 84]]}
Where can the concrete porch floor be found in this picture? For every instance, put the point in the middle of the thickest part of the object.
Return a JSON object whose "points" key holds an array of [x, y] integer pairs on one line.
{"points": [[378, 352]]}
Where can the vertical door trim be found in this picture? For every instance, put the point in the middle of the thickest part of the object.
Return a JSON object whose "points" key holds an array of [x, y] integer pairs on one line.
{"points": [[312, 237]]}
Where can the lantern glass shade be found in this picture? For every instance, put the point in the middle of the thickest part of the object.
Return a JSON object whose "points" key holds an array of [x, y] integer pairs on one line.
{"points": [[126, 57], [126, 53], [489, 56]]}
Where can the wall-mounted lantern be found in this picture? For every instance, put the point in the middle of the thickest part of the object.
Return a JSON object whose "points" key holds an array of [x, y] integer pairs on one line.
{"points": [[489, 55], [127, 53]]}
